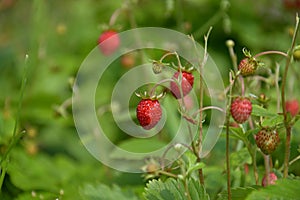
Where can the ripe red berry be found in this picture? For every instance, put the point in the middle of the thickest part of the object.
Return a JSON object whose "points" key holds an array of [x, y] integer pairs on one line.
{"points": [[272, 179], [187, 82], [267, 140], [148, 113], [110, 47], [241, 109], [292, 107], [291, 4], [248, 66]]}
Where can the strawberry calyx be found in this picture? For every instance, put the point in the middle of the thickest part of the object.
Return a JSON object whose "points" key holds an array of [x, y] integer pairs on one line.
{"points": [[186, 69], [154, 96]]}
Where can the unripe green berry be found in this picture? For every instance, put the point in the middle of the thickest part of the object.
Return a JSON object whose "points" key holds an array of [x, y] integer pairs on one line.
{"points": [[230, 43], [296, 54], [157, 67]]}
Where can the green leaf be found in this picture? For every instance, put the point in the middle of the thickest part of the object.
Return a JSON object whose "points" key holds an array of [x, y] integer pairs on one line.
{"points": [[239, 158], [103, 192], [260, 111], [252, 131], [195, 167], [238, 193], [191, 161], [37, 195], [284, 189], [174, 189], [197, 191], [297, 117], [273, 121], [237, 133], [40, 172]]}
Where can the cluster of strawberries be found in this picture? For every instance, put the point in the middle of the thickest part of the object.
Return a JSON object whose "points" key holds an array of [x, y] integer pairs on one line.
{"points": [[148, 110], [266, 139]]}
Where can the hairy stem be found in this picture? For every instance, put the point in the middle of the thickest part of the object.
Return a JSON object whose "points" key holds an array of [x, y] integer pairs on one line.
{"points": [[277, 86], [208, 108], [267, 167], [167, 174], [227, 150], [270, 52], [255, 167], [288, 126], [201, 85], [114, 17], [294, 160], [227, 156], [200, 127], [252, 152]]}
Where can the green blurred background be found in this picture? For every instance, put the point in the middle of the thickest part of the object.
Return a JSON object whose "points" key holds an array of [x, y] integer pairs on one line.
{"points": [[57, 35]]}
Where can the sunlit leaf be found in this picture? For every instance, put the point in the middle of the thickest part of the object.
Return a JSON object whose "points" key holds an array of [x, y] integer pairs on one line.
{"points": [[239, 158], [273, 121], [284, 189], [260, 111], [238, 193], [175, 189], [104, 192]]}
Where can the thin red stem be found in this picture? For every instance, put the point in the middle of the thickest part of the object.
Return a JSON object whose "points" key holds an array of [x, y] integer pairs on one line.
{"points": [[270, 52], [288, 126]]}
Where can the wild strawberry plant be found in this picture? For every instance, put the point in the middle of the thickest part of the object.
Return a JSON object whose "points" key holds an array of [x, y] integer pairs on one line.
{"points": [[257, 155]]}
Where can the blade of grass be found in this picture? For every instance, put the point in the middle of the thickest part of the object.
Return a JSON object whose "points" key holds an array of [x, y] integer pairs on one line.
{"points": [[16, 136]]}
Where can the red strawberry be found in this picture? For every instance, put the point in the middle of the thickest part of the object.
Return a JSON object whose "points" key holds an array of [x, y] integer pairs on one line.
{"points": [[267, 140], [248, 66], [187, 82], [112, 45], [148, 113], [292, 107], [272, 179], [241, 109]]}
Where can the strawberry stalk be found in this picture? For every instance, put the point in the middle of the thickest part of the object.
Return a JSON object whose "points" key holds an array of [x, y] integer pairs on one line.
{"points": [[201, 91], [232, 81], [287, 124], [267, 168], [270, 52], [114, 17]]}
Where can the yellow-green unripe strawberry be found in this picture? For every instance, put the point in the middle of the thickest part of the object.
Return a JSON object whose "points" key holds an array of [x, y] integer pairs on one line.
{"points": [[248, 66], [267, 140]]}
